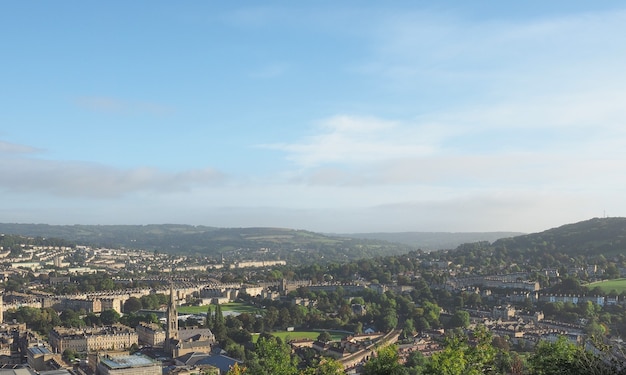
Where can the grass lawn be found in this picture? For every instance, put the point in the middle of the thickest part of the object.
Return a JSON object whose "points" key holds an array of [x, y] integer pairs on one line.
{"points": [[233, 306], [608, 285], [286, 336]]}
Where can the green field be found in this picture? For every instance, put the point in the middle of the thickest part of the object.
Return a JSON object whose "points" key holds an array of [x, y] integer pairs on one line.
{"points": [[233, 306], [286, 336], [618, 284]]}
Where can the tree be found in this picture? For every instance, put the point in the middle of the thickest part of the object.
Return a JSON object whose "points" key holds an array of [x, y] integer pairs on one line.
{"points": [[218, 317], [358, 301], [431, 313], [92, 320], [40, 320], [107, 284], [326, 366], [324, 337], [133, 304], [69, 355], [70, 318], [611, 271], [553, 358], [447, 362], [271, 317], [416, 362], [272, 357], [209, 315], [482, 354], [236, 351], [501, 343], [109, 317], [459, 358], [595, 329], [460, 319], [284, 317], [151, 318], [219, 326], [388, 320], [474, 300], [236, 370], [409, 328], [563, 357], [386, 362]]}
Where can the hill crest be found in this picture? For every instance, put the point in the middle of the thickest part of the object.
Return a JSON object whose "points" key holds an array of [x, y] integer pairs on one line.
{"points": [[606, 236]]}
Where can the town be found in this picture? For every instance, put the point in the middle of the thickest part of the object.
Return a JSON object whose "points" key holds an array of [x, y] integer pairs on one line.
{"points": [[77, 309]]}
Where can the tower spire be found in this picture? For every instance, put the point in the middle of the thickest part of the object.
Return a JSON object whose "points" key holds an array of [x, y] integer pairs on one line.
{"points": [[171, 332]]}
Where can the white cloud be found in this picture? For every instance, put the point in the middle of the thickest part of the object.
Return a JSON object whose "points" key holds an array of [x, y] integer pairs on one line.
{"points": [[347, 139], [555, 142], [79, 179], [541, 105]]}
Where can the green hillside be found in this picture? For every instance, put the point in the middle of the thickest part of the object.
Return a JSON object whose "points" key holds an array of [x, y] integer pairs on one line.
{"points": [[430, 241], [288, 244], [606, 236]]}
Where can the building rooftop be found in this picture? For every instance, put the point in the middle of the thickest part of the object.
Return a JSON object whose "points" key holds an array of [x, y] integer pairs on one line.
{"points": [[224, 363], [15, 370], [39, 350], [127, 361]]}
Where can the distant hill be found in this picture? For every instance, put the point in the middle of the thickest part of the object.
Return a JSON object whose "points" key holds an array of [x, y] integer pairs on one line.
{"points": [[288, 244], [429, 241], [606, 236]]}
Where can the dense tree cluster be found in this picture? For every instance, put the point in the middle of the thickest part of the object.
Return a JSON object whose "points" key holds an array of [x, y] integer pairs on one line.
{"points": [[152, 301], [475, 354], [43, 320], [39, 320]]}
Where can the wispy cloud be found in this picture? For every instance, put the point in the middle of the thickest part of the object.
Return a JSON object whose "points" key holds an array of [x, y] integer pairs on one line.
{"points": [[544, 142], [13, 148], [119, 106], [545, 108], [348, 139], [498, 57], [80, 179]]}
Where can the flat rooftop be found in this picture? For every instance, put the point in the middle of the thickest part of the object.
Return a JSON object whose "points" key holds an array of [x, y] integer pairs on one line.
{"points": [[128, 361], [39, 350]]}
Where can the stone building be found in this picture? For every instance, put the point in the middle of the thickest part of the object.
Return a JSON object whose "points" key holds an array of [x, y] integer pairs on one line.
{"points": [[150, 334], [88, 339]]}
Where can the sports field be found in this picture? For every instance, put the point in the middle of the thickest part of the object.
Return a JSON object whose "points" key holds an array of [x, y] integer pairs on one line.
{"points": [[286, 336], [618, 284], [226, 307]]}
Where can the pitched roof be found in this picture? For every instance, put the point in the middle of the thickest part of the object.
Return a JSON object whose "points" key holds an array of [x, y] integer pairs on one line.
{"points": [[224, 363]]}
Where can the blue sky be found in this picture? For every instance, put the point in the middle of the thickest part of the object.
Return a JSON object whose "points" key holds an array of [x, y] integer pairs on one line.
{"points": [[327, 116]]}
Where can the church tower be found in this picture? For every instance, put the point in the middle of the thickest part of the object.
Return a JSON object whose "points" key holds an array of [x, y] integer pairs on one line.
{"points": [[171, 332]]}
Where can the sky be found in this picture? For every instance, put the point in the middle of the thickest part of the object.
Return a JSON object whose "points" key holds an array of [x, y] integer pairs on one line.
{"points": [[330, 116]]}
